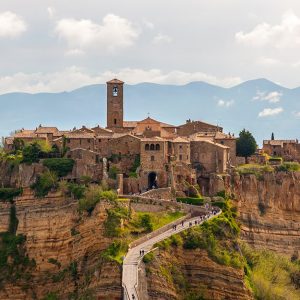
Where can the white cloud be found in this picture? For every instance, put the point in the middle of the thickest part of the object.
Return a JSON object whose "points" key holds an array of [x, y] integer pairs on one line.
{"points": [[149, 24], [11, 25], [272, 97], [224, 103], [268, 61], [74, 52], [74, 77], [162, 38], [51, 12], [296, 114], [114, 32], [270, 112], [284, 35]]}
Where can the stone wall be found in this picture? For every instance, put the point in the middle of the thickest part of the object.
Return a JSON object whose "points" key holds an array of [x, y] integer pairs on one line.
{"points": [[162, 193]]}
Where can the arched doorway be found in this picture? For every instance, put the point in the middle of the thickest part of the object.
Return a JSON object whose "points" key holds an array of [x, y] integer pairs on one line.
{"points": [[152, 180]]}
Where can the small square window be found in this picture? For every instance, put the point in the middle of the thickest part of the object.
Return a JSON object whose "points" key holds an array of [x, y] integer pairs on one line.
{"points": [[152, 158]]}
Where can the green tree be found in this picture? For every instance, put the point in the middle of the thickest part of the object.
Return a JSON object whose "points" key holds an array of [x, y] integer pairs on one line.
{"points": [[245, 144], [272, 136], [31, 153]]}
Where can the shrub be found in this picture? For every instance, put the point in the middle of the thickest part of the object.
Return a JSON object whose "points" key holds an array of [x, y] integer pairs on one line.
{"points": [[31, 153], [109, 195], [55, 262], [7, 194], [289, 167], [113, 222], [193, 201], [113, 171], [61, 166], [51, 296], [148, 257], [45, 183], [146, 222], [115, 251], [76, 190]]}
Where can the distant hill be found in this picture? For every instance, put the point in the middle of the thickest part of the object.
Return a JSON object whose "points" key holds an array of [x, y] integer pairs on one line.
{"points": [[232, 108]]}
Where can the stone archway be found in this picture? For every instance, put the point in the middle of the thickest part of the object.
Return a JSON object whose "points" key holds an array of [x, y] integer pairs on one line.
{"points": [[152, 180]]}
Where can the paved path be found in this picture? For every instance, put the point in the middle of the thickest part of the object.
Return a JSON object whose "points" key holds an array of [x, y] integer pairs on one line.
{"points": [[133, 257]]}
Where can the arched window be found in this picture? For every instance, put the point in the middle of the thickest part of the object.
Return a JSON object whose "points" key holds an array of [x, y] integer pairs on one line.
{"points": [[157, 147], [152, 147], [147, 147]]}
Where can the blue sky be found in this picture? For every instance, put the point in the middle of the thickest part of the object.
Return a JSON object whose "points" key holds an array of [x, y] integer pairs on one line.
{"points": [[59, 45]]}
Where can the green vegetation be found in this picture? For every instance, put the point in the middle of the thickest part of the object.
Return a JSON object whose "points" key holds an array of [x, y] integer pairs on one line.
{"points": [[54, 262], [45, 182], [257, 170], [14, 263], [272, 276], [115, 252], [76, 190], [113, 222], [7, 194], [148, 257], [135, 166], [113, 172], [289, 167], [31, 153], [51, 296], [93, 195], [193, 201], [245, 144], [61, 166]]}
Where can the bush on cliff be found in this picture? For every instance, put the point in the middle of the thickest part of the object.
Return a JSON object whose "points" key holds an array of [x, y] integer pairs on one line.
{"points": [[116, 251], [61, 166], [114, 219], [289, 167], [31, 153], [192, 201], [7, 194], [44, 183]]}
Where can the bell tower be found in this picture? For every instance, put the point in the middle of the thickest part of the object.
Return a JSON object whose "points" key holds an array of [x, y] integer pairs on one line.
{"points": [[115, 111]]}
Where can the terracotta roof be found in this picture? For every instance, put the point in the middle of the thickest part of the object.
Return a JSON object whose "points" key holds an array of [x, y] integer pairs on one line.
{"points": [[42, 129], [85, 135], [180, 140], [155, 138], [25, 134], [197, 122], [213, 143], [279, 142], [115, 80], [131, 124]]}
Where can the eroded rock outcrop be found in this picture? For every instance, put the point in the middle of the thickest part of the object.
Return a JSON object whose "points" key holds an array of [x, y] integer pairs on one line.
{"points": [[66, 247], [269, 210], [179, 273]]}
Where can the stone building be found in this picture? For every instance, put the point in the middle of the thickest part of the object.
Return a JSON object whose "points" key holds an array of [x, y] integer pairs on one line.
{"points": [[289, 150], [167, 155]]}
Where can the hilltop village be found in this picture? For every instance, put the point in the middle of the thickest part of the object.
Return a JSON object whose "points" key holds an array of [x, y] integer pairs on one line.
{"points": [[150, 153], [147, 154]]}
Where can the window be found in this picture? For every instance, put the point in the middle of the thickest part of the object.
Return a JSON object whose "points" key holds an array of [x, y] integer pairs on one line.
{"points": [[222, 142], [152, 147], [180, 146], [180, 157], [99, 140], [115, 121], [152, 158], [80, 141], [115, 91], [147, 147], [157, 147], [89, 140]]}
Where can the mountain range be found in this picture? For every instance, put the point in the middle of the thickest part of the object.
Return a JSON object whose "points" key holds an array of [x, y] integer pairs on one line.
{"points": [[260, 106]]}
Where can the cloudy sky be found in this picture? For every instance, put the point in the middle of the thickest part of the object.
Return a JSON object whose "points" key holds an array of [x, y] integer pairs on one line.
{"points": [[61, 45]]}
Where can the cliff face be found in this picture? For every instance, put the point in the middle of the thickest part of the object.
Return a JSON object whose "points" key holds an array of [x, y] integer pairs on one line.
{"points": [[179, 274], [66, 247], [269, 210]]}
